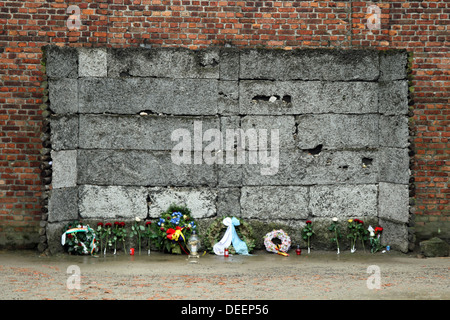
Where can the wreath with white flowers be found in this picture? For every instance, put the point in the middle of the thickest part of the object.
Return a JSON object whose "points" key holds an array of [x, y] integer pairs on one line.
{"points": [[216, 231], [282, 248], [79, 238]]}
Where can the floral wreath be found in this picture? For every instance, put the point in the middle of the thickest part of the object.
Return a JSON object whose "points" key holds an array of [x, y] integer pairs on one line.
{"points": [[272, 247], [217, 229], [79, 238], [173, 229]]}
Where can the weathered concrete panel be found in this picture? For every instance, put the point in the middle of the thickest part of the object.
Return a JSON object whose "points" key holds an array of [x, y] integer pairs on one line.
{"points": [[327, 167], [300, 97], [92, 62], [155, 95], [343, 201], [143, 132], [140, 168], [63, 95], [201, 201], [64, 132], [393, 202], [393, 97], [331, 65], [394, 165], [394, 131], [393, 65], [112, 202], [338, 131], [61, 62], [287, 202], [64, 169], [164, 63], [63, 205]]}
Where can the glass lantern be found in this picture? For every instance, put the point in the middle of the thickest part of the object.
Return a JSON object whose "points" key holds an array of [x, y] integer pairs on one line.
{"points": [[194, 246]]}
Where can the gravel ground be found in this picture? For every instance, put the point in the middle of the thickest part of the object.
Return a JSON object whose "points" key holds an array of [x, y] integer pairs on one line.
{"points": [[26, 275]]}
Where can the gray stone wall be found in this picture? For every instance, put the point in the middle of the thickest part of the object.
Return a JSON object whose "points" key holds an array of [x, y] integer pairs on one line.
{"points": [[341, 119]]}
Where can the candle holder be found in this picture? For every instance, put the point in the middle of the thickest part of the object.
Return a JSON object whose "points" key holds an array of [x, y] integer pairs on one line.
{"points": [[193, 246]]}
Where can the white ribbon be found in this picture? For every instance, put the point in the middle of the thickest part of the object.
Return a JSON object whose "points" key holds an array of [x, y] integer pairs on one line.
{"points": [[225, 242]]}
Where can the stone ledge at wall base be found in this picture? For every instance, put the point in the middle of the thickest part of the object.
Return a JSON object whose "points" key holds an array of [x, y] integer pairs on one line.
{"points": [[434, 247]]}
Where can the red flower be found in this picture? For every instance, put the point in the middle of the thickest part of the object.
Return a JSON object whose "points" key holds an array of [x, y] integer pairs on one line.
{"points": [[116, 223], [168, 218], [148, 223], [100, 224], [108, 225], [308, 222], [122, 224], [162, 229], [378, 229]]}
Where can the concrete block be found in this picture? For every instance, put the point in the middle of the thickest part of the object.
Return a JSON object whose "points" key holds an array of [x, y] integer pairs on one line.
{"points": [[61, 62], [394, 165], [228, 202], [63, 204], [64, 132], [63, 95], [435, 247], [393, 97], [64, 169], [337, 131], [92, 62], [177, 63], [393, 202], [339, 167], [133, 95], [393, 65], [344, 201], [395, 235], [144, 132], [201, 201], [300, 97], [112, 202], [267, 133], [54, 233], [228, 98], [394, 131], [229, 64], [141, 168], [274, 202], [332, 65]]}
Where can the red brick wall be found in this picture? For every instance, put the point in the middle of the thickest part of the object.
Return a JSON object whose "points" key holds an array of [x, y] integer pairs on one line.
{"points": [[420, 27]]}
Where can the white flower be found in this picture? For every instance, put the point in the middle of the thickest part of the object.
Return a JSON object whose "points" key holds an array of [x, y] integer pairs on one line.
{"points": [[335, 219], [138, 219]]}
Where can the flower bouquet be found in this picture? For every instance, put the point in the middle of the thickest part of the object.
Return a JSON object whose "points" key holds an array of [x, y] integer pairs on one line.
{"points": [[173, 229], [374, 238], [356, 231]]}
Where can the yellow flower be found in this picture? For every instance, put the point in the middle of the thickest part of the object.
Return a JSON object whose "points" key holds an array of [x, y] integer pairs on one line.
{"points": [[350, 220]]}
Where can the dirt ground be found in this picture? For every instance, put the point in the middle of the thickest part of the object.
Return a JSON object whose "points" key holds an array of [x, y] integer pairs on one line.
{"points": [[26, 275]]}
